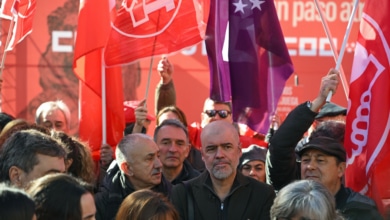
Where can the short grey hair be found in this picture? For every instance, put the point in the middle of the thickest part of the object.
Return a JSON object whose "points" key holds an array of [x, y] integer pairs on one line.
{"points": [[174, 123], [59, 104], [125, 146], [305, 197]]}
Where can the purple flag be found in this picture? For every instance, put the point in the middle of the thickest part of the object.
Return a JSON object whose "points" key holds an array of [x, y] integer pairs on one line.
{"points": [[248, 59]]}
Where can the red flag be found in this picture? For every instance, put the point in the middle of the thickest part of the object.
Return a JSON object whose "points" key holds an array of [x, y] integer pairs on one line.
{"points": [[367, 139], [149, 27], [20, 13], [88, 67]]}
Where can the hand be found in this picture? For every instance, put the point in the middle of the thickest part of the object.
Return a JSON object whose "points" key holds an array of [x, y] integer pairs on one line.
{"points": [[106, 155], [275, 121], [329, 83], [165, 69], [141, 113]]}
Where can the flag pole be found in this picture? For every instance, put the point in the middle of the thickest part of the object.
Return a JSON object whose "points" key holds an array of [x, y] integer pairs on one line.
{"points": [[271, 76], [151, 63], [104, 110], [342, 50], [334, 51], [149, 75]]}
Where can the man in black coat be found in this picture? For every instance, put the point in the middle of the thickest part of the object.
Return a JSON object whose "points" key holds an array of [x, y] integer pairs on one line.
{"points": [[221, 192], [322, 159], [137, 167]]}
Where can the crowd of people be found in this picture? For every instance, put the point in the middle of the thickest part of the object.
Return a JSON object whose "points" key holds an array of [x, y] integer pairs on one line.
{"points": [[207, 170]]}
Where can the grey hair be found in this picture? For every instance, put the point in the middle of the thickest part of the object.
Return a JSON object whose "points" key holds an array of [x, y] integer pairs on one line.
{"points": [[123, 151], [21, 150], [59, 104], [307, 198], [171, 122]]}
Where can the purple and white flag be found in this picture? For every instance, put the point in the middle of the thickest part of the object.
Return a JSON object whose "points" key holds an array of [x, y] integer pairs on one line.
{"points": [[248, 59]]}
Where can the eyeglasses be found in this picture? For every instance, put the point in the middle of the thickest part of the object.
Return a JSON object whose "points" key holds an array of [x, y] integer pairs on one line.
{"points": [[221, 113]]}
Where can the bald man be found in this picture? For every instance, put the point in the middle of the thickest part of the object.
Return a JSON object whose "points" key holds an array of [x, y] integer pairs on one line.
{"points": [[221, 190]]}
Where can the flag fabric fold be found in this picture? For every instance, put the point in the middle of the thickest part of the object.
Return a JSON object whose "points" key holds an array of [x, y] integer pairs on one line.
{"points": [[146, 28], [367, 139], [88, 67], [248, 59], [20, 14]]}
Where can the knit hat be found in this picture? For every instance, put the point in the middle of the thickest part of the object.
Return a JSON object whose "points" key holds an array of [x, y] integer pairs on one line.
{"points": [[253, 152]]}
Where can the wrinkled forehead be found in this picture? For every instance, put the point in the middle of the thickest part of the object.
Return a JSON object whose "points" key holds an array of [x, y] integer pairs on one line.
{"points": [[219, 132], [171, 132], [144, 148]]}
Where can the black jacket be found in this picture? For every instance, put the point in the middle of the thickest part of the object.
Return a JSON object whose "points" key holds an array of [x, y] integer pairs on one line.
{"points": [[281, 164], [282, 167], [248, 199], [114, 190], [187, 173], [353, 205]]}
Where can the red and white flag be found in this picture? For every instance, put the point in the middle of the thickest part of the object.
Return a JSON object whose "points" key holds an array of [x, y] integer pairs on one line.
{"points": [[20, 14], [367, 139], [92, 33], [146, 28]]}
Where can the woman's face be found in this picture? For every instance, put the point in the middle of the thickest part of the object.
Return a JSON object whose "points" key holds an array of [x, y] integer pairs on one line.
{"points": [[88, 208], [255, 169], [167, 115]]}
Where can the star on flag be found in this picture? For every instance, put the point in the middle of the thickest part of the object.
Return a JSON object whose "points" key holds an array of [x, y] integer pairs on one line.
{"points": [[240, 6]]}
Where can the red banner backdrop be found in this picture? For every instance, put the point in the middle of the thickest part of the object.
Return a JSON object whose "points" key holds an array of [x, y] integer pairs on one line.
{"points": [[40, 68]]}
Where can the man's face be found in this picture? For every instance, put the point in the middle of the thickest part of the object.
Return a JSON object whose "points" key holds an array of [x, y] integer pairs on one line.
{"points": [[254, 169], [145, 168], [46, 165], [210, 105], [54, 119], [174, 147], [221, 153], [318, 166]]}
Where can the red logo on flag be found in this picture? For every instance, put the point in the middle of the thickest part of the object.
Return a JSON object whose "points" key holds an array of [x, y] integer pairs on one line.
{"points": [[368, 116], [143, 12], [146, 28]]}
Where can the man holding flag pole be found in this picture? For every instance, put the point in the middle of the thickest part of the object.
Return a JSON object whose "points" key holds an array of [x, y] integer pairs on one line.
{"points": [[367, 143], [323, 158]]}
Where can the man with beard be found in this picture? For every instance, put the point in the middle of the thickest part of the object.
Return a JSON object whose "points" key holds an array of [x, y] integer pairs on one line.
{"points": [[221, 192], [137, 167]]}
